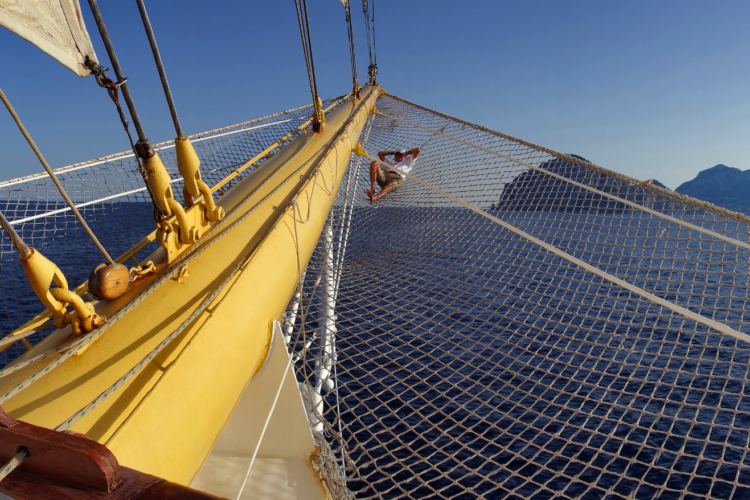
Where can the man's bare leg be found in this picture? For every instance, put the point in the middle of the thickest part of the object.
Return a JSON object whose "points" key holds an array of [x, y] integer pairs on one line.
{"points": [[374, 174], [386, 189]]}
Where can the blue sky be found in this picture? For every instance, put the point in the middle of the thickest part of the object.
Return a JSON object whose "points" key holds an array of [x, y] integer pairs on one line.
{"points": [[650, 89]]}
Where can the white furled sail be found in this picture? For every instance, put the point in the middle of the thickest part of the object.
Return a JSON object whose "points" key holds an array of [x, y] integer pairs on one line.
{"points": [[55, 26]]}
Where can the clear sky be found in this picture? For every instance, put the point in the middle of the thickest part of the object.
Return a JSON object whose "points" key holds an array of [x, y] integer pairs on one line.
{"points": [[651, 89]]}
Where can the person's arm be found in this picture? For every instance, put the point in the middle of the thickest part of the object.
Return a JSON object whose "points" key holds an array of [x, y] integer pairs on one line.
{"points": [[383, 154], [414, 153]]}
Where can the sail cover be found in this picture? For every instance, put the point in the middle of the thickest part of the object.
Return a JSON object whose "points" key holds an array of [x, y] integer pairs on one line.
{"points": [[55, 26]]}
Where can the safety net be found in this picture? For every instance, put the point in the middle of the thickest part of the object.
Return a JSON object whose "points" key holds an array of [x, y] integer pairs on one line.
{"points": [[515, 322], [111, 195]]}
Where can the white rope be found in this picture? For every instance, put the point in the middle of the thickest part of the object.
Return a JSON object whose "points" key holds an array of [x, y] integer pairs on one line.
{"points": [[681, 222], [721, 327], [122, 156], [92, 202], [17, 459], [242, 130]]}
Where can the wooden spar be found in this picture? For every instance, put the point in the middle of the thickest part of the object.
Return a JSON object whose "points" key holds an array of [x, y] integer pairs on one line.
{"points": [[178, 403]]}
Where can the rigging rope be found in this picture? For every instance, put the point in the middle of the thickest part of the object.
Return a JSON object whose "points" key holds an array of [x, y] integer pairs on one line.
{"points": [[142, 148], [721, 327], [370, 29], [350, 32], [599, 192], [54, 178], [15, 239], [18, 458], [304, 31], [311, 173], [287, 369], [159, 66]]}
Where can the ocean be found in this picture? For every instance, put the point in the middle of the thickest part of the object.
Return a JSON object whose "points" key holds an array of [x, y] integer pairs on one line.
{"points": [[472, 364]]}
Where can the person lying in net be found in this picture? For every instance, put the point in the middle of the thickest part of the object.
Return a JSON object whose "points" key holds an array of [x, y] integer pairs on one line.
{"points": [[391, 180]]}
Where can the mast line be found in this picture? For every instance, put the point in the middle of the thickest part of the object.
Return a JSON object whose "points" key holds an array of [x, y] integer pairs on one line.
{"points": [[118, 71], [54, 178], [159, 66]]}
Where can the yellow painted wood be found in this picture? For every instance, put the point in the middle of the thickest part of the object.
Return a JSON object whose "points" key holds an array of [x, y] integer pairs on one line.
{"points": [[130, 253], [165, 420]]}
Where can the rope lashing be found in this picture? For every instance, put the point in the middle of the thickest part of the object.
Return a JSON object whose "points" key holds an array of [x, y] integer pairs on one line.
{"points": [[54, 178], [18, 458], [304, 30]]}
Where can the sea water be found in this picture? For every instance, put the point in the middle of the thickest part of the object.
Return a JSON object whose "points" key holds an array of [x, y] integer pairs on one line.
{"points": [[473, 366]]}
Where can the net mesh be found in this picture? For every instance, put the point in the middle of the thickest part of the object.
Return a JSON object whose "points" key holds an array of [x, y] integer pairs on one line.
{"points": [[444, 356], [112, 197], [441, 355]]}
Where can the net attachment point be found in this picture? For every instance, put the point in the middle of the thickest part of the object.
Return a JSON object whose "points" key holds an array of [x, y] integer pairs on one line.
{"points": [[359, 150]]}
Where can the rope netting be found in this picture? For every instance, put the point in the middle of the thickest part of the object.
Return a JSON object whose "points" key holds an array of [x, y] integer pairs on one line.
{"points": [[444, 355], [110, 194]]}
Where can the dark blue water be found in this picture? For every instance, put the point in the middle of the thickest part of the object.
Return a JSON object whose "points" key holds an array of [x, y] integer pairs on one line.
{"points": [[118, 225], [473, 365]]}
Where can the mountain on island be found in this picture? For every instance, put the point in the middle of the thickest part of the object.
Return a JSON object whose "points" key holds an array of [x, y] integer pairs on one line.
{"points": [[721, 185], [537, 191]]}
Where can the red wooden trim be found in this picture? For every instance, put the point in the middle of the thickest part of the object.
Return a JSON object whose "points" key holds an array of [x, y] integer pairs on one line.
{"points": [[69, 466]]}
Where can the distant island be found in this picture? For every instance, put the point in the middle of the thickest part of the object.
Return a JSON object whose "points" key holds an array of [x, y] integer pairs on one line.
{"points": [[538, 192], [721, 185]]}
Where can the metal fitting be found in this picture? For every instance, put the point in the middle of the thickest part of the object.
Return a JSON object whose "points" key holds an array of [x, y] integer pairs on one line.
{"points": [[144, 150], [41, 273], [189, 165]]}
